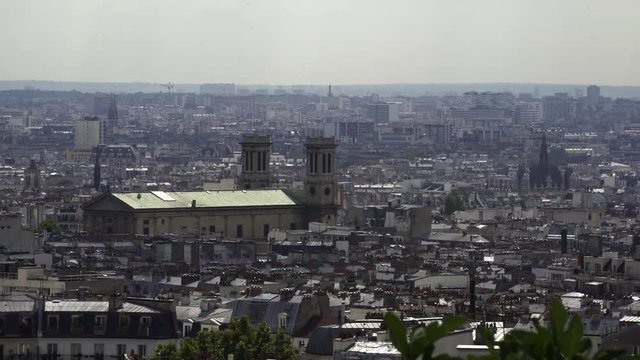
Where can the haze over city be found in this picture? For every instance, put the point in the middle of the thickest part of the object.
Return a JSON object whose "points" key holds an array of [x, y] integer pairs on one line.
{"points": [[319, 180], [320, 42]]}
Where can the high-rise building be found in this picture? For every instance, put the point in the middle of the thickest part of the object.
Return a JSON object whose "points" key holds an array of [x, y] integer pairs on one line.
{"points": [[528, 112], [593, 95], [101, 104], [383, 112], [89, 132]]}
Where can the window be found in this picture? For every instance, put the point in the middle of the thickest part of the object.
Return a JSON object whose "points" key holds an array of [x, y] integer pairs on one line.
{"points": [[187, 330], [282, 320], [121, 349], [100, 325], [26, 329], [123, 324], [145, 222], [212, 228], [52, 351], [76, 324], [239, 231], [25, 349], [142, 350], [2, 331], [76, 351], [265, 230], [145, 325], [292, 226], [162, 221], [52, 323], [98, 351]]}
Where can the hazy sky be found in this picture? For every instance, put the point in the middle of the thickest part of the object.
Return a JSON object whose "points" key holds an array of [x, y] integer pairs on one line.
{"points": [[320, 42]]}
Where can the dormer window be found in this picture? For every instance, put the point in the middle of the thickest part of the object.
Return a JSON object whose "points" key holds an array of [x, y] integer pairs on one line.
{"points": [[77, 324], [145, 325], [282, 320], [123, 324], [52, 323], [100, 325]]}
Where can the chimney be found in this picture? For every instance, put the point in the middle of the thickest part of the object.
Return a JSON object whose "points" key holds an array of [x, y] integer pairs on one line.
{"points": [[472, 297], [286, 294], [207, 305], [185, 299], [342, 314], [580, 261], [115, 302], [389, 299], [39, 307], [563, 241], [193, 203]]}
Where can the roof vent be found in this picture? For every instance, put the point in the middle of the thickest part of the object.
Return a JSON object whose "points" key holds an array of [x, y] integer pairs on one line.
{"points": [[139, 196]]}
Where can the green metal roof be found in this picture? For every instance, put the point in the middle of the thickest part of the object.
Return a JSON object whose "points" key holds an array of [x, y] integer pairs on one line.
{"points": [[205, 199]]}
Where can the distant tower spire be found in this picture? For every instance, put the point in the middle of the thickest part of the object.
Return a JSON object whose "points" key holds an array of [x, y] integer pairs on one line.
{"points": [[544, 154], [96, 171], [330, 94], [112, 114]]}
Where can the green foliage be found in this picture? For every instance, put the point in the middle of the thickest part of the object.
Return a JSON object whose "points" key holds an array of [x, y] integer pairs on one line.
{"points": [[241, 339], [452, 204], [49, 226], [283, 349], [562, 339], [167, 351], [421, 343]]}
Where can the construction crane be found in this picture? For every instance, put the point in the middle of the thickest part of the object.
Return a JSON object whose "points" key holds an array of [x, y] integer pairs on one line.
{"points": [[169, 86]]}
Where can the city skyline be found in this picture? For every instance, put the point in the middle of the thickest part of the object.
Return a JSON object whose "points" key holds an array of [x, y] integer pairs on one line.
{"points": [[285, 42]]}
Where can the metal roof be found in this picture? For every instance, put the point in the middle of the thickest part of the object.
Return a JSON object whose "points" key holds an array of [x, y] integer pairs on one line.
{"points": [[94, 306], [630, 319], [380, 348], [135, 308], [76, 306], [206, 199], [16, 306]]}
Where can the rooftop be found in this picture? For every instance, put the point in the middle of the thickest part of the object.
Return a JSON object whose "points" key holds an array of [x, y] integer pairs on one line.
{"points": [[205, 199]]}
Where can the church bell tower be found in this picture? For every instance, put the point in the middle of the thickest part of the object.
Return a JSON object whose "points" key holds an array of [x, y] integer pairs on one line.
{"points": [[256, 155], [320, 184]]}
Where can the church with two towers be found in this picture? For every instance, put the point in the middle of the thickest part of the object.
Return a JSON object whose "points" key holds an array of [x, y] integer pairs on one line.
{"points": [[249, 212]]}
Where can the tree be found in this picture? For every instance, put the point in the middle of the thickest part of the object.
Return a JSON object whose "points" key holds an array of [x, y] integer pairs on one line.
{"points": [[167, 351], [264, 341], [241, 339], [452, 204], [562, 339], [189, 349], [49, 226], [283, 348]]}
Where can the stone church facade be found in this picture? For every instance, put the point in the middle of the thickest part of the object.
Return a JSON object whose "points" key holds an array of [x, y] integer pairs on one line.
{"points": [[249, 213]]}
